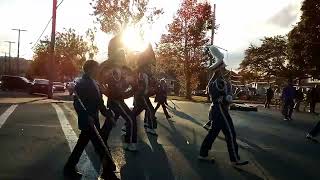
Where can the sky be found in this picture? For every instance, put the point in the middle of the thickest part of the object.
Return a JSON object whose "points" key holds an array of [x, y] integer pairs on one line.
{"points": [[240, 23]]}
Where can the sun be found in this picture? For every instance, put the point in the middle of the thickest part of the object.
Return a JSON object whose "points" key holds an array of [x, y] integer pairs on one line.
{"points": [[133, 41]]}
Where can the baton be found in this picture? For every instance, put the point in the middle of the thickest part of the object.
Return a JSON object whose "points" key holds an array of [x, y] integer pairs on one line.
{"points": [[174, 105]]}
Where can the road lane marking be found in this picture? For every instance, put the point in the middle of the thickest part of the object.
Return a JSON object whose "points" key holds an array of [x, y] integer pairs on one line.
{"points": [[84, 163], [6, 114]]}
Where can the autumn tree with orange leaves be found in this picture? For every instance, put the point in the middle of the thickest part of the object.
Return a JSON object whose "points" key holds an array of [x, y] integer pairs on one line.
{"points": [[115, 15], [182, 47]]}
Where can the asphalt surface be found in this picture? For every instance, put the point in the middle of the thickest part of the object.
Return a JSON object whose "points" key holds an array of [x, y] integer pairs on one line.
{"points": [[37, 136]]}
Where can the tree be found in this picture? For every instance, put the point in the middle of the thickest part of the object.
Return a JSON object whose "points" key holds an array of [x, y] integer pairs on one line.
{"points": [[304, 40], [115, 15], [182, 47], [268, 60], [71, 50]]}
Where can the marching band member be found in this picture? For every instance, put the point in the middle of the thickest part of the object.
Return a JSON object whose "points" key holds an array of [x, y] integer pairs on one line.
{"points": [[161, 97], [116, 92], [87, 103], [221, 98], [142, 101], [145, 88]]}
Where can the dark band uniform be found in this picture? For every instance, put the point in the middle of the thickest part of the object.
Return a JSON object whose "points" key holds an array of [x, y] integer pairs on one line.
{"points": [[161, 98], [219, 114], [117, 87], [142, 101], [89, 93]]}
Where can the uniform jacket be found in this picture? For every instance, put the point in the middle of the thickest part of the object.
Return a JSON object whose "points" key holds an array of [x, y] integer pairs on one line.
{"points": [[219, 88], [288, 93], [89, 93], [161, 94]]}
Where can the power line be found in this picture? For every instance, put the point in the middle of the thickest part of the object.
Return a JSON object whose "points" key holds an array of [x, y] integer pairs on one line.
{"points": [[34, 45]]}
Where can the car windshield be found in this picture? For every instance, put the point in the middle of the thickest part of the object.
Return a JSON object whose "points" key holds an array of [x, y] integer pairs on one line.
{"points": [[41, 81]]}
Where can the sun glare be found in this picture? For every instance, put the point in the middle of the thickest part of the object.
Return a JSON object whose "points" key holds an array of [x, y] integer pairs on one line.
{"points": [[133, 41]]}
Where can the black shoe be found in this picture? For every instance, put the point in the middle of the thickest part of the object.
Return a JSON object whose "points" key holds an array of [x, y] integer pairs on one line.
{"points": [[206, 158], [72, 172], [240, 163]]}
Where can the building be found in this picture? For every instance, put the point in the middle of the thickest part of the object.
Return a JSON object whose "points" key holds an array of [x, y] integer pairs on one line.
{"points": [[261, 87], [10, 66], [308, 83]]}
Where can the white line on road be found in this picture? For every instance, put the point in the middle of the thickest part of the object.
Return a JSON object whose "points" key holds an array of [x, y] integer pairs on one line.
{"points": [[85, 164], [6, 114]]}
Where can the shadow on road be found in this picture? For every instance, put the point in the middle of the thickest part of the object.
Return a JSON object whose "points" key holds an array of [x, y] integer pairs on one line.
{"points": [[248, 174], [183, 115]]}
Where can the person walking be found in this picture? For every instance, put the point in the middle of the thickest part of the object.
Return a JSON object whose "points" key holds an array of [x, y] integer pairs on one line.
{"points": [[269, 96], [87, 103], [299, 99], [161, 97], [142, 100], [220, 98], [288, 95], [313, 99], [116, 86]]}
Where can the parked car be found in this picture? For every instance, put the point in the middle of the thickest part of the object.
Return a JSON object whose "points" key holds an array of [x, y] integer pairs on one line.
{"points": [[199, 93], [71, 85], [40, 86], [14, 83], [59, 86]]}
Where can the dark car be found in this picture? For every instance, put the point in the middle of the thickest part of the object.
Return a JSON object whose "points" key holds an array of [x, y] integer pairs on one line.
{"points": [[40, 86], [59, 86], [14, 83]]}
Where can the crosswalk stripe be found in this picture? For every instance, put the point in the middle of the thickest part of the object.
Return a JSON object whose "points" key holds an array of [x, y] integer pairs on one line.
{"points": [[6, 114], [84, 162]]}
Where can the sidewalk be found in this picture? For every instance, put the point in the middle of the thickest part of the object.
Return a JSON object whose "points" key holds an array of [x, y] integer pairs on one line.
{"points": [[14, 97]]}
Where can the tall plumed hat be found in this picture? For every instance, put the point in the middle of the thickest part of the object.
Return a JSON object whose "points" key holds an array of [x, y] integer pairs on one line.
{"points": [[216, 56]]}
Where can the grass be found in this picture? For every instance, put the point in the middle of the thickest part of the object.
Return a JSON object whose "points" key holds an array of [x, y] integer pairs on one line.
{"points": [[198, 99]]}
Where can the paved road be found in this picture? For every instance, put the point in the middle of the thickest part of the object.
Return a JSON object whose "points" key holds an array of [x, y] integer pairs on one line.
{"points": [[36, 137]]}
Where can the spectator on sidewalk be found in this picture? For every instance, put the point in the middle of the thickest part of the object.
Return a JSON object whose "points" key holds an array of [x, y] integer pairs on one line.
{"points": [[269, 96], [288, 95], [299, 99]]}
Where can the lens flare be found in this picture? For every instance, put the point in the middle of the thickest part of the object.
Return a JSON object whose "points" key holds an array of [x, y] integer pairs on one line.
{"points": [[133, 40]]}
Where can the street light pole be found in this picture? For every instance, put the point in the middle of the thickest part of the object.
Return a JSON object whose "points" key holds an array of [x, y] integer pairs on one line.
{"points": [[10, 42], [18, 54], [52, 44]]}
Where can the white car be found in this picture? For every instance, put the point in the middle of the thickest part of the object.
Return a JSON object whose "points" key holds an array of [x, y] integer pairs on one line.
{"points": [[71, 85]]}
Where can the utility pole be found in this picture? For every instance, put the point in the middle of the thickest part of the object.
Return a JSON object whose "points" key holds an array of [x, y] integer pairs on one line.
{"points": [[213, 23], [10, 42], [52, 44], [5, 63], [212, 40], [18, 54]]}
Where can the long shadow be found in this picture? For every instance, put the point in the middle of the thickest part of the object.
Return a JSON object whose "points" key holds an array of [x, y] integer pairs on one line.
{"points": [[183, 115], [281, 167], [190, 152], [248, 175], [161, 168], [150, 162]]}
